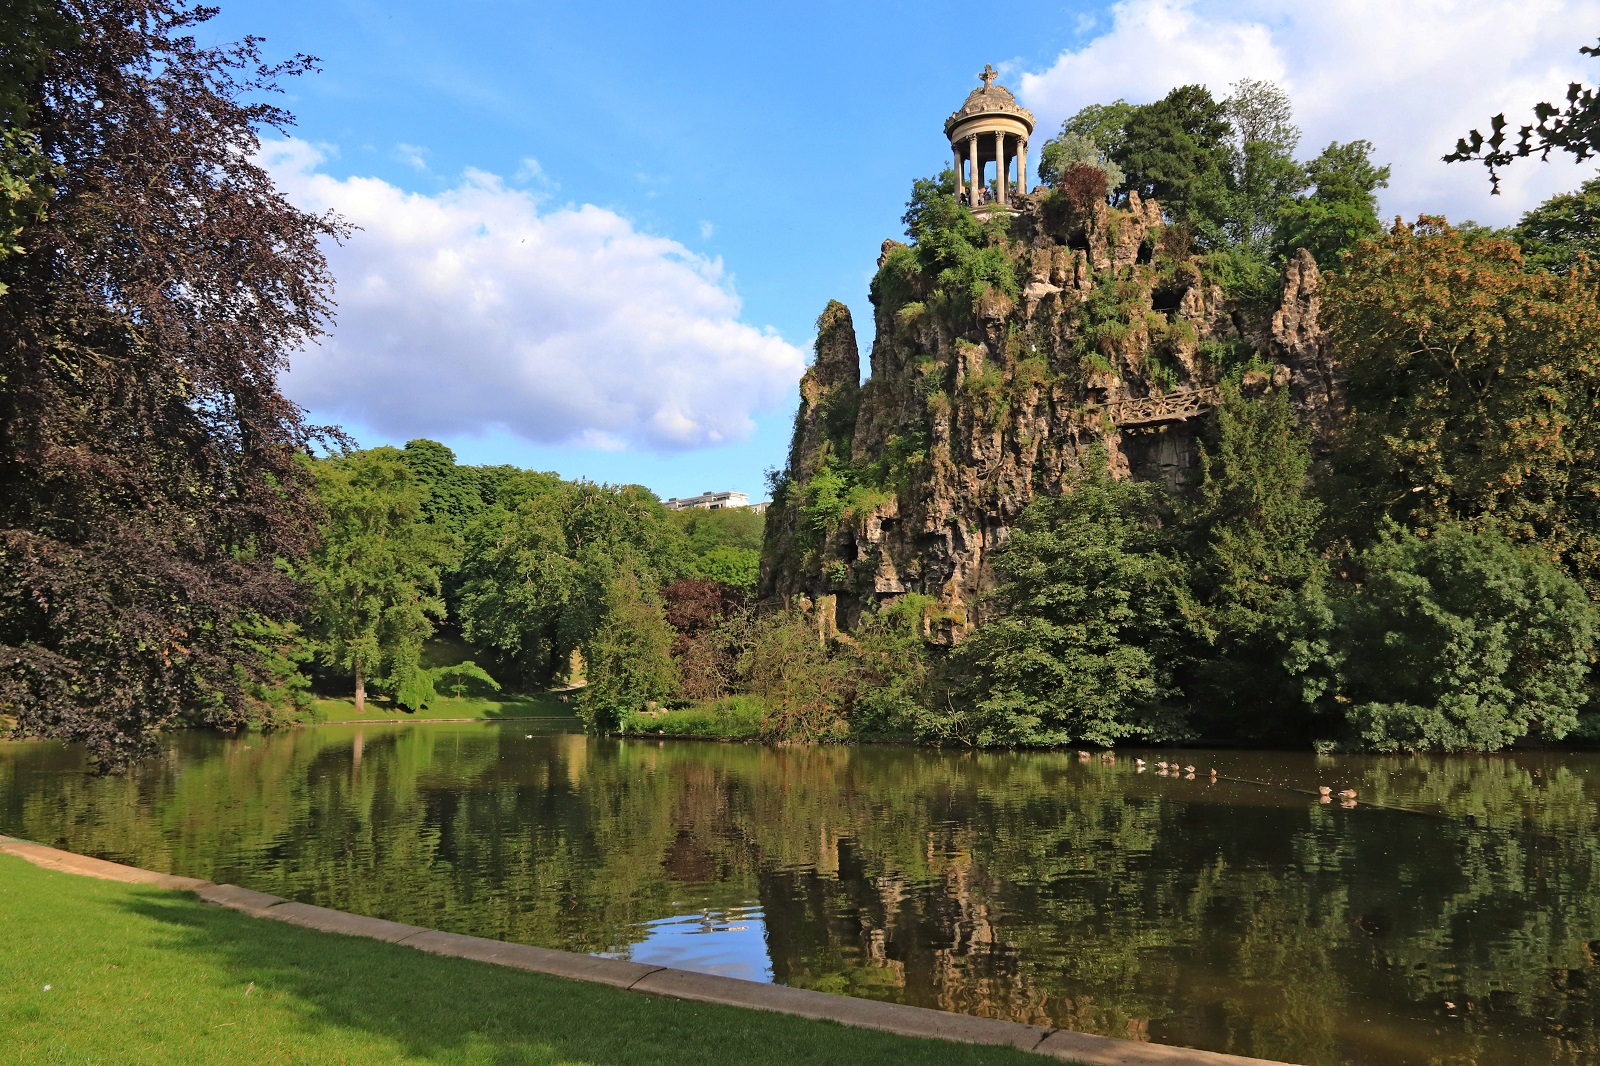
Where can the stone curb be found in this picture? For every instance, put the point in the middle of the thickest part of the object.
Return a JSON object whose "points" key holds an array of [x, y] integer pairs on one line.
{"points": [[897, 1018]]}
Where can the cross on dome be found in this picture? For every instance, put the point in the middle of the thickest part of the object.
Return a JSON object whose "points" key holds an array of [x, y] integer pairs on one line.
{"points": [[988, 76]]}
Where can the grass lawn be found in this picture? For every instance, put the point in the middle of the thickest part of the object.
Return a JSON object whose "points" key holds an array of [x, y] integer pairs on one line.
{"points": [[730, 718], [477, 700], [543, 705], [98, 972]]}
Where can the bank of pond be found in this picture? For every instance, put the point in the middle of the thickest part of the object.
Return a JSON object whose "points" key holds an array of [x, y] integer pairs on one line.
{"points": [[1452, 915]]}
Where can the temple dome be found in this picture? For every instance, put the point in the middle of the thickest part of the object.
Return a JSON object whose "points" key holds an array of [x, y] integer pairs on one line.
{"points": [[989, 99]]}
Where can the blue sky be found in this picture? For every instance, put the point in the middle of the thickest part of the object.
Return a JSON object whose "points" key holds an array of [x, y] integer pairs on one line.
{"points": [[596, 236]]}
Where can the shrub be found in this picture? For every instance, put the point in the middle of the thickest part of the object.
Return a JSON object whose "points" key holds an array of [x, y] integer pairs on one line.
{"points": [[729, 718], [894, 672], [1457, 640], [1082, 646], [803, 686]]}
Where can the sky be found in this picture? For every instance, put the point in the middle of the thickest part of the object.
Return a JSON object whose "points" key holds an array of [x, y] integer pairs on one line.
{"points": [[595, 238]]}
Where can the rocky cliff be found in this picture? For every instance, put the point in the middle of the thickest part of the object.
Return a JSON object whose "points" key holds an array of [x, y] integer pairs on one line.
{"points": [[992, 373]]}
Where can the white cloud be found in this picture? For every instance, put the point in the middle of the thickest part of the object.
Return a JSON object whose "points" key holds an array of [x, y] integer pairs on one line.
{"points": [[411, 155], [531, 172], [1411, 77], [706, 230], [475, 309]]}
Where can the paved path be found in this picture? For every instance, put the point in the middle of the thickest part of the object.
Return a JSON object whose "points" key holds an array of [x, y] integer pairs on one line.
{"points": [[658, 980]]}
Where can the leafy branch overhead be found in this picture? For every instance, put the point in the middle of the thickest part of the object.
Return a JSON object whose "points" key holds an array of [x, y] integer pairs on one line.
{"points": [[1574, 129]]}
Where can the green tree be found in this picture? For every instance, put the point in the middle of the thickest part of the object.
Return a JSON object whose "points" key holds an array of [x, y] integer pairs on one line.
{"points": [[375, 577], [1175, 151], [1472, 392], [963, 257], [895, 675], [279, 691], [1083, 644], [1554, 234], [1459, 641], [725, 544], [452, 500], [1341, 208], [518, 578], [628, 655], [1255, 568], [739, 568], [1067, 149], [1104, 125], [538, 565], [1262, 173], [32, 32], [805, 687]]}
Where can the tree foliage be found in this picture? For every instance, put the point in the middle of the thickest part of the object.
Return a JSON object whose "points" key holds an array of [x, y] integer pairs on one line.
{"points": [[1081, 649], [628, 654], [1067, 150], [1458, 641], [1556, 233], [375, 577], [1261, 171], [152, 295], [724, 544], [962, 257], [539, 563], [1254, 530], [1472, 389], [1341, 208], [1175, 151]]}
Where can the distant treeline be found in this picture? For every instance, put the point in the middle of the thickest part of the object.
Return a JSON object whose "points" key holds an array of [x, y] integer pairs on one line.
{"points": [[528, 568]]}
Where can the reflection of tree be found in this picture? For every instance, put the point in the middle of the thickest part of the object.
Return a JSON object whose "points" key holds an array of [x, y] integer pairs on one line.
{"points": [[1022, 886]]}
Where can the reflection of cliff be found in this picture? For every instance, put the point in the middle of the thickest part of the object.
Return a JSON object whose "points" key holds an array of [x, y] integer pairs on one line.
{"points": [[1008, 885]]}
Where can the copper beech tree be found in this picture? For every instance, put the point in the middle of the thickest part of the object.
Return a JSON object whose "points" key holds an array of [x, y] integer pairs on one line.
{"points": [[150, 481]]}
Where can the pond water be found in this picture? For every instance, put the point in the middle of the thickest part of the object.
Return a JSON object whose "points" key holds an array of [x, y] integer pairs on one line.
{"points": [[1451, 917]]}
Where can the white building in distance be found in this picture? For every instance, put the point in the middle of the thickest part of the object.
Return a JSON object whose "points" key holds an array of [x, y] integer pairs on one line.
{"points": [[712, 501]]}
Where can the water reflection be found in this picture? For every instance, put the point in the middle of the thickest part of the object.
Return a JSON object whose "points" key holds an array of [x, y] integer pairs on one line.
{"points": [[732, 943], [1451, 916]]}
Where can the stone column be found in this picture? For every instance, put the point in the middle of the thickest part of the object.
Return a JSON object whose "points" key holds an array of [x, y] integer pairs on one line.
{"points": [[1022, 165], [976, 181], [960, 184], [1000, 163]]}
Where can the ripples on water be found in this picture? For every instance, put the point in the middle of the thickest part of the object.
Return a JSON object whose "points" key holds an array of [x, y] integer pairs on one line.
{"points": [[1451, 917]]}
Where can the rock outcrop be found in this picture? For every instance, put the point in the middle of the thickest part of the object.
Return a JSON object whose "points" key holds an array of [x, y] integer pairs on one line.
{"points": [[1083, 327]]}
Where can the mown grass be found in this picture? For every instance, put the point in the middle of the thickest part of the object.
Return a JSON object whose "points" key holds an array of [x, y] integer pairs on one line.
{"points": [[475, 699], [542, 705], [730, 718], [98, 972]]}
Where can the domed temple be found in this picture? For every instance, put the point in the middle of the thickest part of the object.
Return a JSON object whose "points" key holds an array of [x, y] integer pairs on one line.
{"points": [[991, 127]]}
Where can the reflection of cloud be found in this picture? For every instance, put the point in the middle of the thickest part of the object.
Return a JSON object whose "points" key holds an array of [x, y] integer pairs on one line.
{"points": [[1410, 77], [472, 308]]}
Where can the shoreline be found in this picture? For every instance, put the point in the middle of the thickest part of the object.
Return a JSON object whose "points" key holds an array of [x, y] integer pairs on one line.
{"points": [[899, 1019]]}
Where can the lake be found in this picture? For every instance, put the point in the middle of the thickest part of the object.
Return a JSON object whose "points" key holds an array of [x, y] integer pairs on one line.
{"points": [[1451, 916]]}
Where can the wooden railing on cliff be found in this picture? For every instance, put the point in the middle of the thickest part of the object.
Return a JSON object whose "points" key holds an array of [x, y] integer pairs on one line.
{"points": [[1175, 406]]}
